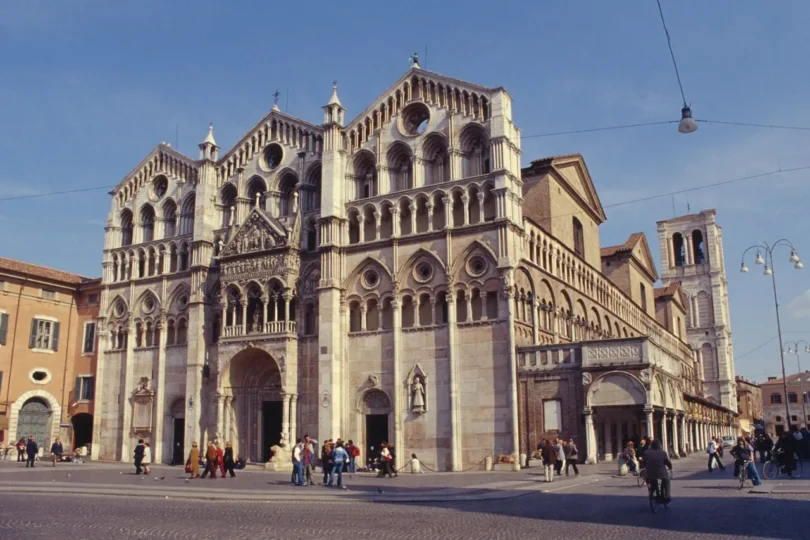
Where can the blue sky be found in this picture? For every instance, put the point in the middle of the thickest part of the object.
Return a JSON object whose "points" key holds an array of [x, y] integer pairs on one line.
{"points": [[89, 87]]}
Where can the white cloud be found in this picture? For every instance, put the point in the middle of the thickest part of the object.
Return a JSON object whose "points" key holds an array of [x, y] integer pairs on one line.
{"points": [[799, 307]]}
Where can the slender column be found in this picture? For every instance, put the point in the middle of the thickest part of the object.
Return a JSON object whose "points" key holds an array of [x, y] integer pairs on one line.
{"points": [[377, 222], [590, 436], [160, 387], [535, 335], [274, 303], [361, 233], [285, 413], [429, 206], [448, 212], [127, 368], [676, 448], [412, 208], [465, 200], [293, 419], [650, 420], [416, 305], [399, 403], [480, 207], [395, 221], [220, 417], [244, 317], [227, 418], [664, 434], [513, 382], [362, 318], [452, 351], [468, 299], [287, 297]]}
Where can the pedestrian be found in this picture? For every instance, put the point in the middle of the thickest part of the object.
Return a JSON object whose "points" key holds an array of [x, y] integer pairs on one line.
{"points": [[21, 450], [339, 458], [549, 460], [326, 459], [629, 456], [297, 478], [571, 456], [558, 451], [220, 459], [210, 461], [385, 461], [657, 464], [227, 459], [139, 449], [354, 453], [147, 458], [309, 458], [56, 451], [712, 451], [392, 463], [193, 463], [31, 450]]}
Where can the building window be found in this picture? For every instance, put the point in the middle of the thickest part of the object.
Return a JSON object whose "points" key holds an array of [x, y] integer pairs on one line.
{"points": [[794, 418], [792, 397], [643, 297], [3, 328], [92, 298], [44, 335], [778, 418], [776, 398], [579, 239], [48, 294], [85, 385], [89, 342], [552, 415], [678, 249]]}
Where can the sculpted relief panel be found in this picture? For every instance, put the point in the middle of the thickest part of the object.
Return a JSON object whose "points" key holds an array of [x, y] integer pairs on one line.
{"points": [[255, 235], [265, 266]]}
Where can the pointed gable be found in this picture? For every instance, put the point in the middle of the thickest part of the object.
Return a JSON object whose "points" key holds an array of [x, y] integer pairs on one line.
{"points": [[259, 232], [572, 173], [163, 159], [636, 248]]}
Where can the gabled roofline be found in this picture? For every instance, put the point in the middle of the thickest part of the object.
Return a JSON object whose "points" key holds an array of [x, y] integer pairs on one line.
{"points": [[162, 147], [610, 252], [551, 164]]}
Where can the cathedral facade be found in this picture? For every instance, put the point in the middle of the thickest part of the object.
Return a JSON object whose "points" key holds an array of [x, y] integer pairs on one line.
{"points": [[372, 279]]}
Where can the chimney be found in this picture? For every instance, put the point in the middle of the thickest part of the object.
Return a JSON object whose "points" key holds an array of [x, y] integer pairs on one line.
{"points": [[771, 379]]}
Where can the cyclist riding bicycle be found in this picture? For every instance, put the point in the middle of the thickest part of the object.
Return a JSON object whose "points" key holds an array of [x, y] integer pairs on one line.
{"points": [[784, 452], [744, 457], [657, 463]]}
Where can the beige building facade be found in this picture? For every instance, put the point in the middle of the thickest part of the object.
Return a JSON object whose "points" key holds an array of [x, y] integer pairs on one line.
{"points": [[797, 399], [47, 354], [374, 279], [749, 405]]}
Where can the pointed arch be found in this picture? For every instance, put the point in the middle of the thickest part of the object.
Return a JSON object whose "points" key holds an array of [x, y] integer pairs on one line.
{"points": [[399, 162], [139, 303], [118, 300], [363, 265], [182, 288], [466, 253], [420, 254]]}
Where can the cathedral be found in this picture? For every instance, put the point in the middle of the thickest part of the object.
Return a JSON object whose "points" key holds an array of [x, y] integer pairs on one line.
{"points": [[394, 277]]}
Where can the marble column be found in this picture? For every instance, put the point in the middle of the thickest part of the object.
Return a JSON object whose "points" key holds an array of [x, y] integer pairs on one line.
{"points": [[160, 392], [664, 434], [676, 451], [220, 417], [650, 419], [293, 419], [455, 425], [285, 414], [590, 437]]}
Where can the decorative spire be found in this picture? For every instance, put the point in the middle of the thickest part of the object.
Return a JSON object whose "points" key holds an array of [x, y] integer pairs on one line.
{"points": [[209, 139], [276, 94], [414, 58], [334, 100]]}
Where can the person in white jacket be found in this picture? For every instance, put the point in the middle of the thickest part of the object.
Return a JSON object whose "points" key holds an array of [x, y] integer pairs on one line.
{"points": [[147, 458]]}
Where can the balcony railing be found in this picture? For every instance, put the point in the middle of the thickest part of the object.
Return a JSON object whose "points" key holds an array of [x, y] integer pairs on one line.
{"points": [[270, 327]]}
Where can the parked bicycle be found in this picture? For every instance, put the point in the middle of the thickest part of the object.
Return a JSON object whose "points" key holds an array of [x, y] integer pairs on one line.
{"points": [[772, 468]]}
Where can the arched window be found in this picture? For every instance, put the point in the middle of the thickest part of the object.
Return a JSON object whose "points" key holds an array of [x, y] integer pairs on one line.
{"points": [[311, 190], [437, 160], [643, 295], [148, 222], [474, 151], [227, 198], [365, 176], [257, 186], [355, 323], [181, 332], [678, 249], [579, 238], [187, 215], [126, 227], [169, 218], [400, 167], [286, 187], [698, 252]]}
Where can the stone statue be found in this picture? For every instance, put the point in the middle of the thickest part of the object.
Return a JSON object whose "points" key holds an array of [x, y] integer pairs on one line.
{"points": [[256, 320], [418, 393], [233, 213], [281, 459], [295, 203]]}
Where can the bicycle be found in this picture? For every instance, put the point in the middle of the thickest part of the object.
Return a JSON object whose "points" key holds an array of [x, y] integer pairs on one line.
{"points": [[642, 477], [743, 473], [772, 468], [656, 495]]}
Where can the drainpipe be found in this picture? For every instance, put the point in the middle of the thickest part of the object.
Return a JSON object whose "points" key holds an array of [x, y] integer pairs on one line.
{"points": [[13, 346]]}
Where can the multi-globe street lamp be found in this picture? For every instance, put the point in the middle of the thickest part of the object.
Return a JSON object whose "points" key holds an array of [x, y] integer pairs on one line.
{"points": [[793, 347], [768, 249]]}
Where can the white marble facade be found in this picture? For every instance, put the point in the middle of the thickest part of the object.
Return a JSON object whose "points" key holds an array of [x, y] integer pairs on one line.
{"points": [[344, 279]]}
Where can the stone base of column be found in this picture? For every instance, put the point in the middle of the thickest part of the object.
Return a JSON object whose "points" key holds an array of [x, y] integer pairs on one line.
{"points": [[591, 461]]}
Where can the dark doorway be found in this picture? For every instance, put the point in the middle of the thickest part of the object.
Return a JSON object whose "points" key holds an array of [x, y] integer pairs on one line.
{"points": [[82, 429], [178, 447], [376, 433], [271, 426]]}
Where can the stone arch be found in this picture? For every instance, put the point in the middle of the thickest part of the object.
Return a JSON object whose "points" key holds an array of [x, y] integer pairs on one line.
{"points": [[461, 259], [53, 405], [111, 310], [366, 264], [421, 253], [658, 391], [139, 304], [251, 366], [374, 401], [616, 388], [175, 294]]}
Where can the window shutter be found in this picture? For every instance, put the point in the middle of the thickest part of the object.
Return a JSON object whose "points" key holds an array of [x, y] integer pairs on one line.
{"points": [[77, 390], [55, 337], [3, 328], [32, 341], [91, 388], [89, 337]]}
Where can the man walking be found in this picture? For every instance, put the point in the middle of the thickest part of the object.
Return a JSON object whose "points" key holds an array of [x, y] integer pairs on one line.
{"points": [[570, 450], [298, 465], [558, 450], [139, 450], [56, 451], [712, 451], [31, 450]]}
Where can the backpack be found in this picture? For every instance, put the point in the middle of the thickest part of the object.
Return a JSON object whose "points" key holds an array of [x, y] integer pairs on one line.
{"points": [[355, 451]]}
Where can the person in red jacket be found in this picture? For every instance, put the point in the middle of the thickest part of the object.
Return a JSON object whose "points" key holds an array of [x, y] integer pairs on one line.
{"points": [[220, 460]]}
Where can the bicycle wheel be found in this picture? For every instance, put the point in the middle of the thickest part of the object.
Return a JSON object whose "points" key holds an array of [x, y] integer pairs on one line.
{"points": [[653, 498], [770, 470], [796, 472], [743, 475], [642, 477]]}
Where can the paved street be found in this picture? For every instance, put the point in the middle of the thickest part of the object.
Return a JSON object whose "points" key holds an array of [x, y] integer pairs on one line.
{"points": [[595, 505]]}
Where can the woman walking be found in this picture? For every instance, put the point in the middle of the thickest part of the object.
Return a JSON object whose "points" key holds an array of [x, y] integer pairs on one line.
{"points": [[147, 458], [227, 459], [210, 461], [193, 463]]}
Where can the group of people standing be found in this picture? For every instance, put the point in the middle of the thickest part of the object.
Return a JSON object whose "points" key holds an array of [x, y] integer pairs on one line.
{"points": [[215, 459], [28, 451], [557, 454]]}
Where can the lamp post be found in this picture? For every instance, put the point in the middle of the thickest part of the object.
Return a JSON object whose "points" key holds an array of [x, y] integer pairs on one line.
{"points": [[769, 271], [793, 346]]}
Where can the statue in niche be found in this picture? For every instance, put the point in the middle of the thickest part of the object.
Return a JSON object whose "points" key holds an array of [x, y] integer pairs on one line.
{"points": [[418, 395], [257, 321]]}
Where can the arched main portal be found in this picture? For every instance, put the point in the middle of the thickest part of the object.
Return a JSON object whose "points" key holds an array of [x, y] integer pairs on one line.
{"points": [[375, 407], [254, 417], [35, 420], [618, 400]]}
